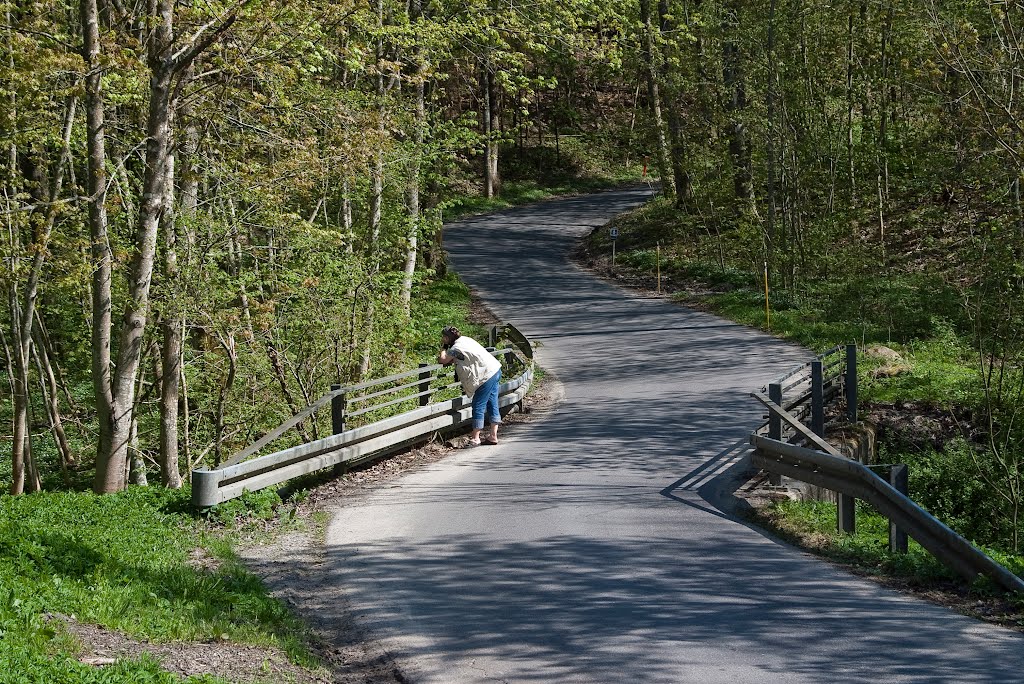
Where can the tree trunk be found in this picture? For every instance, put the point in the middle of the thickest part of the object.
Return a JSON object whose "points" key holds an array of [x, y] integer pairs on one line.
{"points": [[48, 381], [413, 191], [736, 105], [851, 169], [20, 417], [377, 173], [492, 180], [677, 135], [167, 59], [771, 200], [376, 205], [115, 431], [173, 323], [654, 99], [23, 312], [228, 344], [101, 251]]}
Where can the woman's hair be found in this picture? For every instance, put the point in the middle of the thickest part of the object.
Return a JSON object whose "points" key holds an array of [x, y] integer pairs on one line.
{"points": [[452, 332]]}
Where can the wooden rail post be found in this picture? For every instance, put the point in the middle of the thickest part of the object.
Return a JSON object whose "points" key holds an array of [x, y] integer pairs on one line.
{"points": [[899, 479], [492, 336], [850, 383], [775, 425], [337, 411], [817, 398], [338, 402], [424, 385]]}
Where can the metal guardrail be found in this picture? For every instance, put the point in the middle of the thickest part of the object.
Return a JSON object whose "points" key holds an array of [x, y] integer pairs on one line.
{"points": [[823, 465], [381, 434]]}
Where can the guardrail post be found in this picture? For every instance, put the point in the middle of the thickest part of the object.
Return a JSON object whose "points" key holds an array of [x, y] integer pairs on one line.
{"points": [[850, 383], [775, 426], [204, 488], [492, 336], [424, 385], [846, 513], [898, 478], [338, 402], [817, 399]]}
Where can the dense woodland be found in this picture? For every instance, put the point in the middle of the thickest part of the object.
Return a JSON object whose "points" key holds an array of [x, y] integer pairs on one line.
{"points": [[212, 212]]}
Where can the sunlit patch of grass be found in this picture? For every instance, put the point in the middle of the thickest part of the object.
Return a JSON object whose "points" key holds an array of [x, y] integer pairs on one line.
{"points": [[122, 561]]}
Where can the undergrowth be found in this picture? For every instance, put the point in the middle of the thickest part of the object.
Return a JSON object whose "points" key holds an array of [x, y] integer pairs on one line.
{"points": [[123, 561]]}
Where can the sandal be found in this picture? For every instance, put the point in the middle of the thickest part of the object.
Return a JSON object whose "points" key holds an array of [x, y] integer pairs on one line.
{"points": [[492, 442], [472, 443]]}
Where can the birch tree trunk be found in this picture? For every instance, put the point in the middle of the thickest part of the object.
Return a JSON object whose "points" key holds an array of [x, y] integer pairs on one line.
{"points": [[413, 190], [101, 251], [174, 323], [654, 99], [167, 59], [376, 202]]}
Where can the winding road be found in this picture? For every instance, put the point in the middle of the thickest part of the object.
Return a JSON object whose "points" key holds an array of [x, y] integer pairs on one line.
{"points": [[595, 544]]}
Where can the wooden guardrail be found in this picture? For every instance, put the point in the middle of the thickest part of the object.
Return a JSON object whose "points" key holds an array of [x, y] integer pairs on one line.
{"points": [[795, 450], [395, 411]]}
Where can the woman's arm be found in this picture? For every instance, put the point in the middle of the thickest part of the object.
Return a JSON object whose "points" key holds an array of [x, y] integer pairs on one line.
{"points": [[447, 357]]}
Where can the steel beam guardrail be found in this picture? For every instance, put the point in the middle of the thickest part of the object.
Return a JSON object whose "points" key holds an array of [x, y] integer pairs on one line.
{"points": [[824, 466]]}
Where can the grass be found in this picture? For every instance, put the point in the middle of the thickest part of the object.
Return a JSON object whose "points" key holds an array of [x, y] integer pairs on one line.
{"points": [[812, 525], [123, 561]]}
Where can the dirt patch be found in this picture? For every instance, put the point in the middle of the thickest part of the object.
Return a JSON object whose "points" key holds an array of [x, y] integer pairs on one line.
{"points": [[234, 662], [478, 311], [920, 424]]}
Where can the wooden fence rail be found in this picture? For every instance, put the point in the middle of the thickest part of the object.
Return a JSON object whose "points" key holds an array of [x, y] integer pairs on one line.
{"points": [[433, 403]]}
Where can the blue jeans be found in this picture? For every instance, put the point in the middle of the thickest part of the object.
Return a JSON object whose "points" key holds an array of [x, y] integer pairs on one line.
{"points": [[485, 400]]}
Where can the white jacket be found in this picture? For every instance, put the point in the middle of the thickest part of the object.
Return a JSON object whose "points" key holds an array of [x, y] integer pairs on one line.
{"points": [[476, 365]]}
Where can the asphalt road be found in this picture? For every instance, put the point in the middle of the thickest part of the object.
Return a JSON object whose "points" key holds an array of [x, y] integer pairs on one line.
{"points": [[595, 545]]}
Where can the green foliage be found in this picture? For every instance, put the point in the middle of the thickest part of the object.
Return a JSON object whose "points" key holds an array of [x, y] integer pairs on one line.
{"points": [[260, 505], [30, 665], [947, 484], [867, 548], [937, 372], [123, 561]]}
